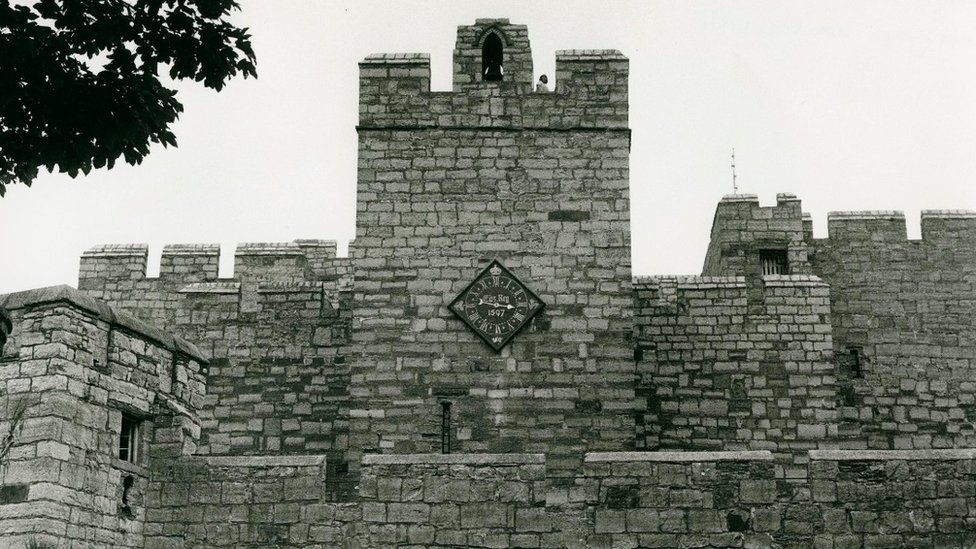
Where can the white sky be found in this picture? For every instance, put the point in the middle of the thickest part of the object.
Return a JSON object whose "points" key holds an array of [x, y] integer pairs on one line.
{"points": [[864, 105]]}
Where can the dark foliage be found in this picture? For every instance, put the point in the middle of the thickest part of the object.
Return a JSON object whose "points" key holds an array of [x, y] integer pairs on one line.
{"points": [[79, 79]]}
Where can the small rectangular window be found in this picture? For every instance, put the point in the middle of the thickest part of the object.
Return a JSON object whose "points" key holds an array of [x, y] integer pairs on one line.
{"points": [[856, 363], [445, 427], [774, 262], [129, 439]]}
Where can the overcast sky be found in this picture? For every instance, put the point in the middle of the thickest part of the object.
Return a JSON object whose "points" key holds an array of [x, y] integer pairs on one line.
{"points": [[850, 105]]}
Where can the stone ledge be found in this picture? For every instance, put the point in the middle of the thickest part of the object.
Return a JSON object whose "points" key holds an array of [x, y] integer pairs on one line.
{"points": [[103, 311], [453, 459], [262, 461], [682, 457], [289, 287], [211, 288], [268, 248], [892, 455], [753, 198], [867, 214], [690, 282], [191, 249], [589, 55], [793, 280], [948, 214], [397, 58], [117, 250]]}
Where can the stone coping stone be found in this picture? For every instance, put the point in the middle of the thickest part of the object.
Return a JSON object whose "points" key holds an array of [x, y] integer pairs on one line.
{"points": [[191, 249], [692, 282], [793, 280], [262, 461], [117, 250], [867, 214], [589, 55], [948, 214], [316, 243], [679, 457], [268, 248], [211, 288], [754, 198], [893, 455], [103, 311], [786, 197], [399, 58], [289, 287], [453, 459]]}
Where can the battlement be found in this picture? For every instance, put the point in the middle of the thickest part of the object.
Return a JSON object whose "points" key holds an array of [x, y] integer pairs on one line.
{"points": [[742, 230], [684, 294], [183, 264], [190, 262], [876, 225], [889, 226], [590, 89]]}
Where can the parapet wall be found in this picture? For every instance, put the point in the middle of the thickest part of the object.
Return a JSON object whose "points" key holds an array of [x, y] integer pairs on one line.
{"points": [[724, 369], [616, 499], [277, 501], [591, 92], [900, 315], [278, 381], [903, 326]]}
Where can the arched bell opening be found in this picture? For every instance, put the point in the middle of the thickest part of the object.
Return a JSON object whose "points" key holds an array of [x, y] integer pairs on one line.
{"points": [[492, 54]]}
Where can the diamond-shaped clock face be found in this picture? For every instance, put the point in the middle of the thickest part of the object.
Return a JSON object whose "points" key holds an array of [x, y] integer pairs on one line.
{"points": [[496, 305]]}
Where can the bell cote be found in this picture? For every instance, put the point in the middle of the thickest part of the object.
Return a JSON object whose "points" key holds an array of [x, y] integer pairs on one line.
{"points": [[492, 52]]}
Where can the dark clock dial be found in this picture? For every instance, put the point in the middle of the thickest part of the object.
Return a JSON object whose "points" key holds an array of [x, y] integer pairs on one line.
{"points": [[496, 305]]}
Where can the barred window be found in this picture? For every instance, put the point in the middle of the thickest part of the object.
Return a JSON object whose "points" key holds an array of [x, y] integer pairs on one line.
{"points": [[774, 262]]}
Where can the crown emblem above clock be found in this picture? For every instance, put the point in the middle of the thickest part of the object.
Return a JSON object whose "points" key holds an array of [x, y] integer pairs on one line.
{"points": [[496, 305]]}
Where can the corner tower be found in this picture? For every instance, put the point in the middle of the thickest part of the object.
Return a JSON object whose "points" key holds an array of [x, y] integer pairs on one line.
{"points": [[449, 181]]}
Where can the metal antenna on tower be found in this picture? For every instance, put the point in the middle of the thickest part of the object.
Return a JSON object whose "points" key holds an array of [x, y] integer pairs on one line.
{"points": [[735, 186]]}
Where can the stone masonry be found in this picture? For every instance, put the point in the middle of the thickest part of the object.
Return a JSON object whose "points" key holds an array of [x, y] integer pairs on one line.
{"points": [[800, 392]]}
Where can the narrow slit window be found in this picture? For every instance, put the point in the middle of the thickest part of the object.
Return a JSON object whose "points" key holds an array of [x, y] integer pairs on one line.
{"points": [[774, 262], [445, 427], [129, 439], [856, 363], [491, 58]]}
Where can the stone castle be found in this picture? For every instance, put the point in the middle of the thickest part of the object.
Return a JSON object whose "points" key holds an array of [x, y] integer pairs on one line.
{"points": [[801, 392]]}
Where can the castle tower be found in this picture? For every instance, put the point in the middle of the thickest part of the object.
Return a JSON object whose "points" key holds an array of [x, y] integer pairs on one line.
{"points": [[448, 182]]}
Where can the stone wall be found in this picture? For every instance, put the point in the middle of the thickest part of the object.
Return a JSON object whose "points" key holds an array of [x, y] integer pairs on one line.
{"points": [[721, 371], [278, 382], [456, 500], [901, 322], [617, 499], [250, 501], [913, 498], [904, 307], [71, 368], [742, 228], [448, 182]]}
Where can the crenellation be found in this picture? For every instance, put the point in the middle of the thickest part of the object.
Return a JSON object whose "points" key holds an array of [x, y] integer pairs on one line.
{"points": [[800, 392], [117, 265], [867, 226], [590, 89], [190, 262]]}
